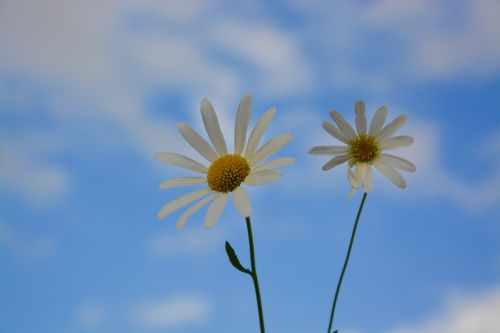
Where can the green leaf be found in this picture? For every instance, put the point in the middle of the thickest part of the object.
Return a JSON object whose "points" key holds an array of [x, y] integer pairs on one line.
{"points": [[233, 258], [336, 331]]}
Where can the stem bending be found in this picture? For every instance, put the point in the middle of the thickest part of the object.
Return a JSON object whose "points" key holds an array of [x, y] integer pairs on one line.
{"points": [[254, 275], [345, 262]]}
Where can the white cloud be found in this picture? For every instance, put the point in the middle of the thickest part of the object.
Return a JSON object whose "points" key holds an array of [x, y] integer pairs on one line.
{"points": [[99, 70], [33, 247], [433, 178], [463, 314], [376, 45], [24, 171], [174, 311], [90, 315], [275, 56]]}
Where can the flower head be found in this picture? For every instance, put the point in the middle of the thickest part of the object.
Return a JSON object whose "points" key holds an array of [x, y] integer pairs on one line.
{"points": [[226, 172], [365, 147]]}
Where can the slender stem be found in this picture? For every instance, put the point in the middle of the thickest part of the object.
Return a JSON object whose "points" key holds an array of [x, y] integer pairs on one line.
{"points": [[254, 276], [346, 262]]}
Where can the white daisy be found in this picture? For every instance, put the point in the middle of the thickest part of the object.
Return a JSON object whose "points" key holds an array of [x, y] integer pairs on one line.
{"points": [[226, 172], [365, 147]]}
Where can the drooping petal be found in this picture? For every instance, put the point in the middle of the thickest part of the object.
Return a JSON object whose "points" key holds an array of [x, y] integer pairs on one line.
{"points": [[365, 172], [197, 142], [391, 173], [241, 125], [181, 161], [180, 202], [262, 177], [215, 209], [396, 142], [354, 180], [392, 127], [359, 109], [378, 121], [334, 131], [182, 181], [193, 209], [258, 131], [398, 162], [335, 161], [274, 164], [212, 126], [242, 202], [270, 148], [344, 126], [328, 150]]}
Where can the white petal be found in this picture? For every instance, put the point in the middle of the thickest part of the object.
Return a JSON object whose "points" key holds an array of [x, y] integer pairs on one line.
{"points": [[360, 117], [212, 126], [344, 126], [215, 209], [273, 164], [181, 161], [241, 125], [258, 131], [242, 202], [398, 162], [334, 131], [271, 147], [197, 142], [193, 209], [396, 142], [335, 161], [182, 181], [328, 150], [390, 173], [378, 121], [365, 172], [353, 178], [180, 202], [392, 127], [262, 177]]}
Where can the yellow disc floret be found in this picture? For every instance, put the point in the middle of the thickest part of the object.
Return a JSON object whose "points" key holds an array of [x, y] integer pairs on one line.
{"points": [[227, 173], [364, 149]]}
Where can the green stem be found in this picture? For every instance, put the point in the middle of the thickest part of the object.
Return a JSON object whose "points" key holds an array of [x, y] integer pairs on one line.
{"points": [[346, 262], [254, 276]]}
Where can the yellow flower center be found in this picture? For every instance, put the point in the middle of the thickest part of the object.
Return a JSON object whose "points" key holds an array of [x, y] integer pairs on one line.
{"points": [[364, 149], [227, 173]]}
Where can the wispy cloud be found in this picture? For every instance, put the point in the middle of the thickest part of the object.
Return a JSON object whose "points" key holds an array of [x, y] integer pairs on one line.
{"points": [[90, 315], [174, 311], [29, 247], [463, 314], [433, 178]]}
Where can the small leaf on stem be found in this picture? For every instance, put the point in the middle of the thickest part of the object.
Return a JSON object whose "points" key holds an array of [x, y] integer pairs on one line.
{"points": [[233, 258]]}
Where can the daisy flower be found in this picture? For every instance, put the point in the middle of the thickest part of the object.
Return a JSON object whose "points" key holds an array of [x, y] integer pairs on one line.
{"points": [[365, 147], [225, 172]]}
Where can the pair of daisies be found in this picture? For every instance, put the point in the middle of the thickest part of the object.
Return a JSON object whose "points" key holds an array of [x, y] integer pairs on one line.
{"points": [[227, 172]]}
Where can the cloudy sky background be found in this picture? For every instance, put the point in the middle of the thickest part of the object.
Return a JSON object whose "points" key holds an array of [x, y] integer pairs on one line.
{"points": [[90, 90]]}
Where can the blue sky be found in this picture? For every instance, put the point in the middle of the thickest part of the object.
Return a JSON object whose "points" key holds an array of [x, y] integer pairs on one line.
{"points": [[89, 91]]}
